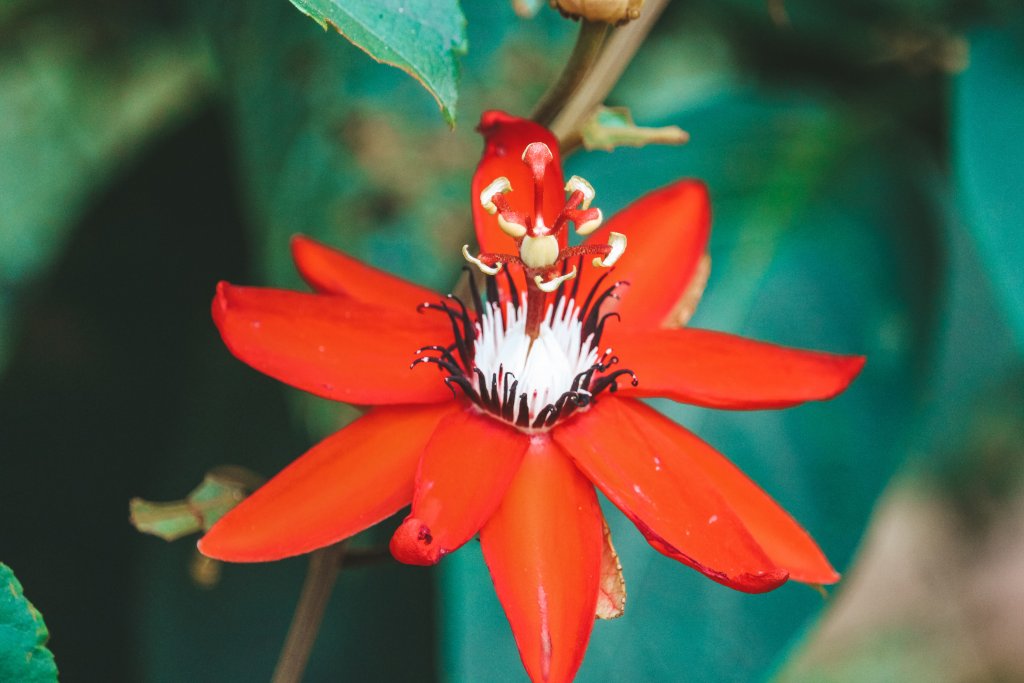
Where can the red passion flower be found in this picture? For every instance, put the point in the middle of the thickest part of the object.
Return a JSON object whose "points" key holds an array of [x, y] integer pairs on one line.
{"points": [[537, 402]]}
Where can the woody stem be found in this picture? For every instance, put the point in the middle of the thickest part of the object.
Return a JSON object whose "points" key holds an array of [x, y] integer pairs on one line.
{"points": [[614, 58], [324, 566], [584, 54]]}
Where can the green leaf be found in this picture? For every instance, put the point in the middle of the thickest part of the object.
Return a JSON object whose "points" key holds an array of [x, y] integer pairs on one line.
{"points": [[988, 138], [221, 490], [24, 656], [423, 38], [612, 127]]}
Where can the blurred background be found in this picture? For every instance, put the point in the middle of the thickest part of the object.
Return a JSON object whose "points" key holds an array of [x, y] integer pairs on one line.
{"points": [[866, 167]]}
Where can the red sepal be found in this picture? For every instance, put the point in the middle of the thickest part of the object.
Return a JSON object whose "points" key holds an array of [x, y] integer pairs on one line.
{"points": [[344, 484], [330, 271], [676, 508], [785, 541], [461, 479], [720, 370], [332, 346], [543, 548], [667, 232]]}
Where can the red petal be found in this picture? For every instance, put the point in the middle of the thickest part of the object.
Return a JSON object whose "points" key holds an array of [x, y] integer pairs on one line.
{"points": [[785, 542], [543, 548], [721, 370], [344, 484], [679, 512], [505, 138], [462, 477], [332, 346], [333, 272], [667, 232]]}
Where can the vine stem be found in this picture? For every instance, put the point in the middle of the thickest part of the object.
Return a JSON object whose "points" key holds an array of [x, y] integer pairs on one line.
{"points": [[611, 63], [584, 54], [321, 573]]}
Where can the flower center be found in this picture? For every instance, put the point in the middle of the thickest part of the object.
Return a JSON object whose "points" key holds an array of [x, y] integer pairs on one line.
{"points": [[545, 368], [530, 382]]}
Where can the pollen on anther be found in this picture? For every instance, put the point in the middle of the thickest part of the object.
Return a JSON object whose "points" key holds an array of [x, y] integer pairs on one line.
{"points": [[497, 186]]}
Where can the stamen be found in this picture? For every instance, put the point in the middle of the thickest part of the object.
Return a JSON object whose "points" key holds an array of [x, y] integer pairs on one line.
{"points": [[509, 226], [484, 268], [552, 285], [499, 185], [578, 184], [585, 226], [617, 241]]}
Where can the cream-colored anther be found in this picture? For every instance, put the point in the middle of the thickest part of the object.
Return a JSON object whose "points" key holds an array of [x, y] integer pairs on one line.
{"points": [[587, 227], [553, 284], [511, 229], [484, 268], [617, 241], [577, 183], [539, 252], [497, 185]]}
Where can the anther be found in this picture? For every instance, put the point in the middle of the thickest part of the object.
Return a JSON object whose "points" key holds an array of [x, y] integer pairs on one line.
{"points": [[552, 285], [497, 186], [484, 268], [511, 228], [617, 242], [589, 225], [578, 184]]}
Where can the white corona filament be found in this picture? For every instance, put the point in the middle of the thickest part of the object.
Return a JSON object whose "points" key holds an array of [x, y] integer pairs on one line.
{"points": [[545, 367]]}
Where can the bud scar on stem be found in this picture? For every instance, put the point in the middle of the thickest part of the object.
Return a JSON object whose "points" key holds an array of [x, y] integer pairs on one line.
{"points": [[540, 253]]}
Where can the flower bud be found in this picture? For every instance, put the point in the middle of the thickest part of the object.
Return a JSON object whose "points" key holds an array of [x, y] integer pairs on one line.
{"points": [[614, 12]]}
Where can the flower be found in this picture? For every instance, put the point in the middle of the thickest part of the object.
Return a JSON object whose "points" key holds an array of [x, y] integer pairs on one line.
{"points": [[546, 371]]}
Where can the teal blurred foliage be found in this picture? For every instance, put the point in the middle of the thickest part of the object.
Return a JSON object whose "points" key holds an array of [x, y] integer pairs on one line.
{"points": [[865, 169]]}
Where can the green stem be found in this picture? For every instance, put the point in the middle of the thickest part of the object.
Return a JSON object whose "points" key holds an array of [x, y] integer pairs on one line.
{"points": [[614, 58], [324, 566], [584, 54]]}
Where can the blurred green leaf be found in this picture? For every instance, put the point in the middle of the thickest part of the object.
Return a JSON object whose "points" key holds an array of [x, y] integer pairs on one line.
{"points": [[24, 656], [612, 127], [988, 139], [423, 38], [220, 490], [81, 93]]}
